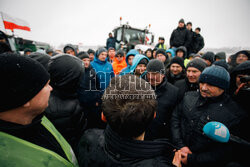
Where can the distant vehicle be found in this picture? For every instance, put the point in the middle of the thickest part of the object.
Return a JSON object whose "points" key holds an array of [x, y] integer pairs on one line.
{"points": [[129, 37], [18, 44]]}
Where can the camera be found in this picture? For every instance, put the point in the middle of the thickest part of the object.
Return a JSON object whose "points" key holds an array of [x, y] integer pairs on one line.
{"points": [[245, 79]]}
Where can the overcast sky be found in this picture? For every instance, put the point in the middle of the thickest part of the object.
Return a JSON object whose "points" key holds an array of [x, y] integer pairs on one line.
{"points": [[224, 23]]}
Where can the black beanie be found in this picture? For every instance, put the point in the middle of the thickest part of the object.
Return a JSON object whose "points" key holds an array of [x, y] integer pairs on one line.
{"points": [[197, 63], [177, 60], [82, 55], [41, 58], [156, 65], [91, 51], [208, 56], [143, 61], [181, 21], [243, 52], [22, 79], [221, 63], [220, 55], [65, 72], [161, 51], [243, 68]]}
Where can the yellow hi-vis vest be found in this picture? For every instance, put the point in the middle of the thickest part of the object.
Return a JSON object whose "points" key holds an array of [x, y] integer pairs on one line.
{"points": [[17, 152]]}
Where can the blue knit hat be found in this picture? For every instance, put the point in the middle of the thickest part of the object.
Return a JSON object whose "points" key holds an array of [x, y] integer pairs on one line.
{"points": [[216, 76]]}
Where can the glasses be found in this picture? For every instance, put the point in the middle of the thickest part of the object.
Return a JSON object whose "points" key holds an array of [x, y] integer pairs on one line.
{"points": [[119, 56]]}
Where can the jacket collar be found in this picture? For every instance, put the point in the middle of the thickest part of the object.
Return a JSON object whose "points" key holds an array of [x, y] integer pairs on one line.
{"points": [[129, 148]]}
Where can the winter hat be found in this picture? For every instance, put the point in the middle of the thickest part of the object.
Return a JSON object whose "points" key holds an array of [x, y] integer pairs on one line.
{"points": [[41, 58], [68, 47], [221, 63], [161, 51], [156, 65], [100, 50], [220, 55], [197, 63], [177, 60], [181, 21], [119, 52], [22, 79], [65, 72], [208, 56], [243, 52], [91, 51], [216, 76], [82, 55], [243, 68], [143, 61]]}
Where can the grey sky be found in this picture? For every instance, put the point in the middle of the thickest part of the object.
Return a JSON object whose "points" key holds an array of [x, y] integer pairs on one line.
{"points": [[224, 23]]}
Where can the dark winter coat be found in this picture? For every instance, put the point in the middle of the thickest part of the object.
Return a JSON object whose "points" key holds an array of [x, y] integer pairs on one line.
{"points": [[185, 86], [167, 98], [197, 43], [105, 148], [89, 94], [64, 109], [180, 37], [173, 78], [188, 120], [110, 42]]}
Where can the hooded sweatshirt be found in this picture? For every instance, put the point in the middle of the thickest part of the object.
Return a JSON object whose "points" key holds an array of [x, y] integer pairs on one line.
{"points": [[136, 60], [126, 70], [104, 71]]}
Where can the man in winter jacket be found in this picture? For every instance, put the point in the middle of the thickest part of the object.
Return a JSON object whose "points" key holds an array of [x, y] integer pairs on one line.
{"points": [[176, 70], [64, 108], [89, 94], [240, 92], [167, 98], [27, 137], [162, 55], [111, 41], [197, 42], [208, 57], [191, 82], [180, 36], [199, 108], [119, 62], [129, 106], [103, 68], [70, 49], [161, 44], [129, 59], [239, 58]]}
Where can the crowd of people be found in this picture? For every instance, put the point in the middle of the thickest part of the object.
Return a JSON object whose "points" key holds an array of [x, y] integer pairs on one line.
{"points": [[108, 107]]}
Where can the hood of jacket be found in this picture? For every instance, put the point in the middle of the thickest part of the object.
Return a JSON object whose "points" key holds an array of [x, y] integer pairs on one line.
{"points": [[184, 49], [70, 46], [131, 52], [171, 51], [136, 60], [65, 72]]}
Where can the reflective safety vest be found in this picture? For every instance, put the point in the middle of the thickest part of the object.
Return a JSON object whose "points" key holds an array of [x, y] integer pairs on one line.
{"points": [[162, 47], [18, 152]]}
